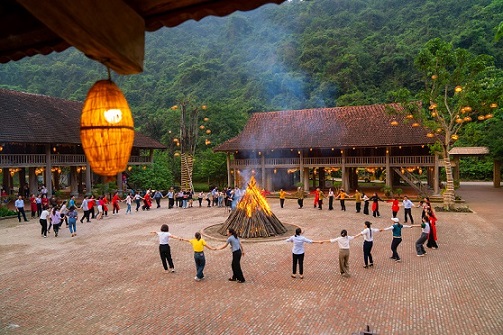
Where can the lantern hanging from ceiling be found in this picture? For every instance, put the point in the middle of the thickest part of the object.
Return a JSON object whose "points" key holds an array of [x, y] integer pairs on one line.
{"points": [[106, 129]]}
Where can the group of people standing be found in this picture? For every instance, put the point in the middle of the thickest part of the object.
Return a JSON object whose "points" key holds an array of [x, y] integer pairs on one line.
{"points": [[198, 246], [428, 233]]}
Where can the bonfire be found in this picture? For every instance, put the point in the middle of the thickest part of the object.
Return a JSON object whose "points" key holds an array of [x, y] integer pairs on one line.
{"points": [[253, 216]]}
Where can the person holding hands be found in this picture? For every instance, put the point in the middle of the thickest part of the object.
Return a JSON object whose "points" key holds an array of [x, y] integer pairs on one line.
{"points": [[237, 252], [298, 252], [198, 245]]}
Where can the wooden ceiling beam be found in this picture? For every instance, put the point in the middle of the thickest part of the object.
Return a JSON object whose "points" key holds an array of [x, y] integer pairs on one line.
{"points": [[107, 31]]}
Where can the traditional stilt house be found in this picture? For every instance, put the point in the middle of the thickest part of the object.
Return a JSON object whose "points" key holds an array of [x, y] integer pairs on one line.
{"points": [[39, 135], [287, 147]]}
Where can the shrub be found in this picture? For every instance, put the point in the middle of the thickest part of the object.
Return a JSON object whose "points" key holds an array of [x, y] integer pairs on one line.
{"points": [[4, 211]]}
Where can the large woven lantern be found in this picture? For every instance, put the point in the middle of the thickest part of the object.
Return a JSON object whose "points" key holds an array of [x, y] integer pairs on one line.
{"points": [[106, 129]]}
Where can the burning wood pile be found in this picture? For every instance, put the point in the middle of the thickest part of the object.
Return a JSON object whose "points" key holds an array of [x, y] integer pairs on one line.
{"points": [[253, 216]]}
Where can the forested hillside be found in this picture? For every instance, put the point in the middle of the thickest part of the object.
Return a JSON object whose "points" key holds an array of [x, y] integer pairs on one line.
{"points": [[300, 54]]}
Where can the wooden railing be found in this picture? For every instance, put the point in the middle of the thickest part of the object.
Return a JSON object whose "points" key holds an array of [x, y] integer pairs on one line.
{"points": [[368, 161], [40, 160]]}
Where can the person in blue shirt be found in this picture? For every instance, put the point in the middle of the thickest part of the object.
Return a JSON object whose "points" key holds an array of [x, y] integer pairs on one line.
{"points": [[397, 237], [237, 252], [19, 204]]}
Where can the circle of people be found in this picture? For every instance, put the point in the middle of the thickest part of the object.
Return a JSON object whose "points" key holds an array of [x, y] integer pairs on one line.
{"points": [[428, 234]]}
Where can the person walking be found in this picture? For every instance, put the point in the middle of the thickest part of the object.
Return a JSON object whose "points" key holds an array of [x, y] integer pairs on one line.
{"points": [[366, 201], [300, 197], [90, 204], [237, 252], [171, 198], [164, 249], [298, 252], [115, 203], [342, 198], [432, 236], [395, 206], [43, 217], [330, 199], [33, 205], [425, 231], [407, 208], [129, 203], [19, 204], [85, 207], [343, 242], [137, 200], [282, 197], [157, 198], [63, 210], [375, 205], [397, 237], [321, 196], [198, 245], [39, 204], [72, 220], [358, 201], [368, 242], [55, 221]]}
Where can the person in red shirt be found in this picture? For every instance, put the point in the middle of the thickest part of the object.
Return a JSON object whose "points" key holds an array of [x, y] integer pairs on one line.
{"points": [[147, 201], [394, 207], [45, 201], [91, 203], [115, 203], [33, 205]]}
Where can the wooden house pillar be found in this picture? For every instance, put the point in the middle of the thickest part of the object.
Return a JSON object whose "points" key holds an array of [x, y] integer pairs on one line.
{"points": [[305, 178], [48, 172], [228, 161], [389, 179], [89, 186], [436, 177], [32, 181], [74, 183], [262, 164], [497, 173]]}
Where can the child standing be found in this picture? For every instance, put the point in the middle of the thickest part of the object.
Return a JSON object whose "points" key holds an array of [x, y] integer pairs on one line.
{"points": [[164, 249]]}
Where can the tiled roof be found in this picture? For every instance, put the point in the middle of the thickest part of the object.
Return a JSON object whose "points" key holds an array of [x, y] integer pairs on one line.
{"points": [[339, 127], [40, 119]]}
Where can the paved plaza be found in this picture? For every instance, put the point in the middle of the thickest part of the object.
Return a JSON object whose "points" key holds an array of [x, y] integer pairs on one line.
{"points": [[109, 279]]}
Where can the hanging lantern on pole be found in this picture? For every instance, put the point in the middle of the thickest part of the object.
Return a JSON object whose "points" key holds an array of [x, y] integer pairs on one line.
{"points": [[106, 128]]}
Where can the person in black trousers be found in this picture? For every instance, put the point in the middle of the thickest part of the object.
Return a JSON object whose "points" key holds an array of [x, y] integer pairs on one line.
{"points": [[397, 237], [368, 242]]}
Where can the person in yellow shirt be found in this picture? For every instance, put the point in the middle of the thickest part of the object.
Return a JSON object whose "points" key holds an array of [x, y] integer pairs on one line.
{"points": [[342, 197], [282, 197], [198, 245]]}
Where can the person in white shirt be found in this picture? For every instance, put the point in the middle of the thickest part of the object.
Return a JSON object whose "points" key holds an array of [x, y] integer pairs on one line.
{"points": [[425, 231], [164, 249], [298, 252], [43, 221], [368, 242], [343, 242]]}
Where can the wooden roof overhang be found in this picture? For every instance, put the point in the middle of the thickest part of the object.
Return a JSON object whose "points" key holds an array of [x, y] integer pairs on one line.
{"points": [[469, 151], [326, 128], [35, 119], [111, 32]]}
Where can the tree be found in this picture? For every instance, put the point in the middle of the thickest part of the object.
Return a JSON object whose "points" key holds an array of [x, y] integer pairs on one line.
{"points": [[189, 127], [459, 87], [156, 176]]}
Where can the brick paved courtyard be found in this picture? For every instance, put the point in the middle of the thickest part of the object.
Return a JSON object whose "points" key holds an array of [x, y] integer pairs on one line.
{"points": [[109, 279]]}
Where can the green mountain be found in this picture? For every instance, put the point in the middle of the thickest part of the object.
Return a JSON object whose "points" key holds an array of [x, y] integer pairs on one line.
{"points": [[300, 54]]}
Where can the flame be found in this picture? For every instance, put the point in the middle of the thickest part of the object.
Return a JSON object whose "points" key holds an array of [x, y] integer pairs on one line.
{"points": [[253, 200]]}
